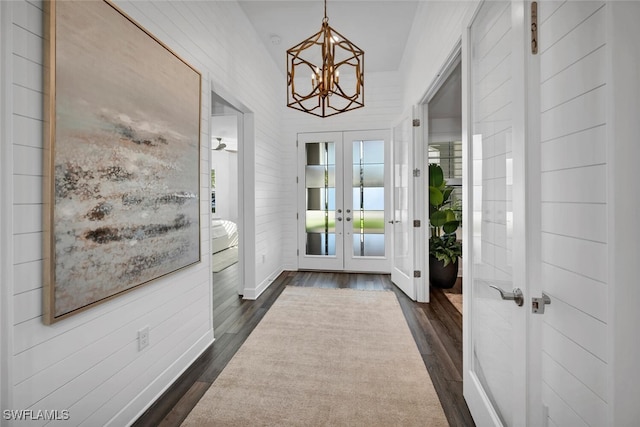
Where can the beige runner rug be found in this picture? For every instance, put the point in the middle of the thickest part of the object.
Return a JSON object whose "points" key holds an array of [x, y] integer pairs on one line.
{"points": [[325, 357]]}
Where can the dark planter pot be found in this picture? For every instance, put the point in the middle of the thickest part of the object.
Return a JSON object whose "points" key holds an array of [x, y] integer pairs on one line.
{"points": [[440, 276]]}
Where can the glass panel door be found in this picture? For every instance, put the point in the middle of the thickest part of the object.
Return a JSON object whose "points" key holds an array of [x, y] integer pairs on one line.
{"points": [[403, 253], [366, 201], [342, 192], [321, 244], [320, 184]]}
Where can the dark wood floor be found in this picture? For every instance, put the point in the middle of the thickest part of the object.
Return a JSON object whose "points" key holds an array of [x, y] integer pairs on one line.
{"points": [[436, 327]]}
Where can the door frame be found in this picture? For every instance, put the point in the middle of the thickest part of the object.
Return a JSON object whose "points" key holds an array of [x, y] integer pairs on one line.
{"points": [[246, 188], [526, 225], [422, 192]]}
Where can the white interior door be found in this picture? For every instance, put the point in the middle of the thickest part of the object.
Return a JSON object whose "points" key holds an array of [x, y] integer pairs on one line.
{"points": [[496, 358], [343, 183], [403, 245]]}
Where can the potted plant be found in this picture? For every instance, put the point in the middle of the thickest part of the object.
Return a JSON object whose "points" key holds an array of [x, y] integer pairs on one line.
{"points": [[444, 247]]}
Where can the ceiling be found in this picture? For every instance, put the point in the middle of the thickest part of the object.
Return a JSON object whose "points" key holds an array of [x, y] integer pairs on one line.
{"points": [[379, 27]]}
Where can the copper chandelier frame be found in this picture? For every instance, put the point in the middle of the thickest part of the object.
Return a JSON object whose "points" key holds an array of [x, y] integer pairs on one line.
{"points": [[326, 96]]}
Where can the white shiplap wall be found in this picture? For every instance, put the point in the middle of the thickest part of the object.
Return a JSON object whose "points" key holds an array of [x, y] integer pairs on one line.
{"points": [[89, 363], [573, 130]]}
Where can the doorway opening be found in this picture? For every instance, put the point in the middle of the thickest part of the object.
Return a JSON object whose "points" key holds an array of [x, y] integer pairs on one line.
{"points": [[226, 251], [445, 149]]}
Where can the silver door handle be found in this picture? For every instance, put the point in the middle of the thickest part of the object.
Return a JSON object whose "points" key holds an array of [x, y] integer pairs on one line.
{"points": [[339, 218], [393, 222], [348, 218], [515, 296]]}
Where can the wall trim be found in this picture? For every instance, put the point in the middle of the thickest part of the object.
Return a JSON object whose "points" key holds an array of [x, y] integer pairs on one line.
{"points": [[6, 208], [254, 293]]}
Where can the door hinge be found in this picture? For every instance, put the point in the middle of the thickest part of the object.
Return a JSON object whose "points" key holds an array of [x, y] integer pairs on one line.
{"points": [[417, 273], [534, 27], [298, 252], [416, 123], [416, 223], [296, 143], [416, 173], [296, 179], [297, 215]]}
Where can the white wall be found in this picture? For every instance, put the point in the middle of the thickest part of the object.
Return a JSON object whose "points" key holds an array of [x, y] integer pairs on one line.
{"points": [[624, 210], [445, 129], [575, 242], [89, 363], [225, 164]]}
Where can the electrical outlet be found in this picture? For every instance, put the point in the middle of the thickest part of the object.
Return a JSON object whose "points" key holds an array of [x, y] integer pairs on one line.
{"points": [[143, 338]]}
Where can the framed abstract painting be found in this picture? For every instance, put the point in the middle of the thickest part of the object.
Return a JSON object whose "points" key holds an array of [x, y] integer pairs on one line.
{"points": [[121, 158]]}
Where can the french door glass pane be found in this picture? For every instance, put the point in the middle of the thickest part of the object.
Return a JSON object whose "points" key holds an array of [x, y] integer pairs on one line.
{"points": [[368, 198], [320, 178]]}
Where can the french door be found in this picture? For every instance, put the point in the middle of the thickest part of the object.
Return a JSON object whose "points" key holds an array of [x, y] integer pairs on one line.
{"points": [[343, 181], [403, 209], [500, 362]]}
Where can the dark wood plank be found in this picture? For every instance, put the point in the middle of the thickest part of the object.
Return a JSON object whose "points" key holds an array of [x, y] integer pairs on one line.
{"points": [[436, 328]]}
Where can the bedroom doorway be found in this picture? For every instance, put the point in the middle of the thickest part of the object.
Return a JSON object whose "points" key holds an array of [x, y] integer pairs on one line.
{"points": [[225, 243]]}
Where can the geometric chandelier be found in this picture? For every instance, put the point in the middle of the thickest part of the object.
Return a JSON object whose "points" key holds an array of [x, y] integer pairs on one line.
{"points": [[325, 73]]}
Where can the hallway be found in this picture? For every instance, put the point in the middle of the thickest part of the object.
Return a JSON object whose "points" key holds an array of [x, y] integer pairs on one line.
{"points": [[436, 327]]}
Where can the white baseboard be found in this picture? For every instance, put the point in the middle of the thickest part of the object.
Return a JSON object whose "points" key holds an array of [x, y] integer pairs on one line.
{"points": [[254, 293], [152, 393]]}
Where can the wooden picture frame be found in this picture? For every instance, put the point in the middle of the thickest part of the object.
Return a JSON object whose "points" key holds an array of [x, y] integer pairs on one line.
{"points": [[121, 199]]}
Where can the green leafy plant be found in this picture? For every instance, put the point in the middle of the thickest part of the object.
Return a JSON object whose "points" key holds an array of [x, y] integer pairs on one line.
{"points": [[443, 221]]}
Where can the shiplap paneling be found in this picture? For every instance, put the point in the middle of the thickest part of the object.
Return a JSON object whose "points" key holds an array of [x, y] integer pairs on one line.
{"points": [[587, 148], [592, 370], [586, 404], [577, 185], [573, 128], [579, 220], [560, 413], [588, 36], [90, 363], [584, 293]]}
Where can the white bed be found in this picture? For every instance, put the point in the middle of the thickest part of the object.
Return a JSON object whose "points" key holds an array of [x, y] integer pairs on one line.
{"points": [[224, 235]]}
